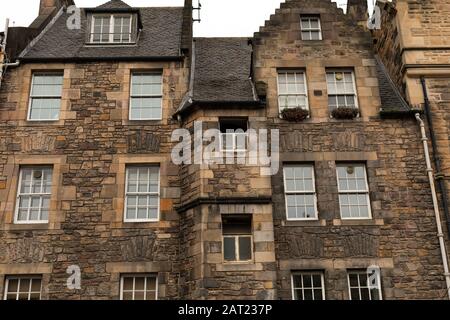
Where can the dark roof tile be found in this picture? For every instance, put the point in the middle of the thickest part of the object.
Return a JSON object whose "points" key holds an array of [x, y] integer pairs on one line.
{"points": [[222, 70], [391, 99], [160, 37]]}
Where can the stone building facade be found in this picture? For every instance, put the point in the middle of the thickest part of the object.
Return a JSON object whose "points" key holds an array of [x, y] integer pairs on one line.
{"points": [[218, 230]]}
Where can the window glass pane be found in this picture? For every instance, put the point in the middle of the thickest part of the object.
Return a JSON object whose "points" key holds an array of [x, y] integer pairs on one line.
{"points": [[128, 284], [36, 285], [127, 296], [245, 248], [13, 285], [45, 109], [318, 294], [229, 249], [151, 283], [354, 294]]}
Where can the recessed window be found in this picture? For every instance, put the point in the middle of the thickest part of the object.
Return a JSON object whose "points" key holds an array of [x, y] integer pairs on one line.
{"points": [[142, 194], [361, 288], [237, 238], [353, 190], [45, 97], [308, 286], [234, 135], [341, 89], [146, 96], [310, 27], [111, 29], [138, 287], [300, 192], [23, 288], [292, 90], [33, 196]]}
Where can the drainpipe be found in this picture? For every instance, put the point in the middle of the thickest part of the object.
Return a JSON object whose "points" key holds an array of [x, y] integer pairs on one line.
{"points": [[435, 203], [3, 66], [437, 161]]}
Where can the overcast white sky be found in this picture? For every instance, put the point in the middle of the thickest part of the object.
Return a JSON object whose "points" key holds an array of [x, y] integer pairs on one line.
{"points": [[219, 17]]}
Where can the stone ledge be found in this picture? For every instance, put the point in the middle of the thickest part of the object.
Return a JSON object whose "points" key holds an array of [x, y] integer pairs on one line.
{"points": [[368, 222], [138, 267], [346, 263], [305, 223], [239, 267], [26, 268]]}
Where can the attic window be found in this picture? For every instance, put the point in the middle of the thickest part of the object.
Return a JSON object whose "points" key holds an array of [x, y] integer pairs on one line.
{"points": [[311, 28], [115, 28]]}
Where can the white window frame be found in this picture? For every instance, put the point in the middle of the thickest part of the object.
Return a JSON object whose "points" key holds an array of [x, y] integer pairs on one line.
{"points": [[111, 34], [343, 71], [224, 137], [143, 96], [310, 29], [357, 192], [296, 72], [32, 96], [142, 194], [19, 194], [308, 273], [236, 247], [349, 272], [314, 193], [19, 278], [137, 275]]}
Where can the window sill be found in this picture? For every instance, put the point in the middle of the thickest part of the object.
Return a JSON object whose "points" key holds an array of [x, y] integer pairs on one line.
{"points": [[110, 44], [135, 225], [304, 223], [27, 227], [142, 122], [358, 222]]}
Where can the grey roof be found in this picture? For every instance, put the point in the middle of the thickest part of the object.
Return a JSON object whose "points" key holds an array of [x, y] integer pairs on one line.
{"points": [[222, 70], [114, 4], [160, 37], [391, 99]]}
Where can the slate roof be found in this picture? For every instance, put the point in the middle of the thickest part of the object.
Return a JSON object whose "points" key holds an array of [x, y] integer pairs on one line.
{"points": [[392, 101], [222, 70], [114, 4], [160, 37]]}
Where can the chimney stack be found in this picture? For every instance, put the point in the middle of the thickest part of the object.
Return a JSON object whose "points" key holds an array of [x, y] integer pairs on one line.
{"points": [[358, 10], [47, 7], [187, 32]]}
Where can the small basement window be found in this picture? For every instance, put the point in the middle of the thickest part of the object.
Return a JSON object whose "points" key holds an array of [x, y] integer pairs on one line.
{"points": [[234, 134], [237, 238]]}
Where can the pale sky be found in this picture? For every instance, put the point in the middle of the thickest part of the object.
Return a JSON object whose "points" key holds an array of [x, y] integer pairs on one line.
{"points": [[220, 18]]}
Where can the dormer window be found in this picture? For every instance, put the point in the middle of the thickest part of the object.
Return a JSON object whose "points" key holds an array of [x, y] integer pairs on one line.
{"points": [[115, 28]]}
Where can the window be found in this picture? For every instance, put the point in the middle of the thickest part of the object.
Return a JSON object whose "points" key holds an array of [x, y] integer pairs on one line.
{"points": [[33, 196], [142, 194], [139, 287], [300, 192], [23, 288], [45, 97], [310, 26], [360, 287], [292, 90], [146, 96], [308, 286], [111, 29], [341, 89], [233, 135], [237, 238], [353, 191]]}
